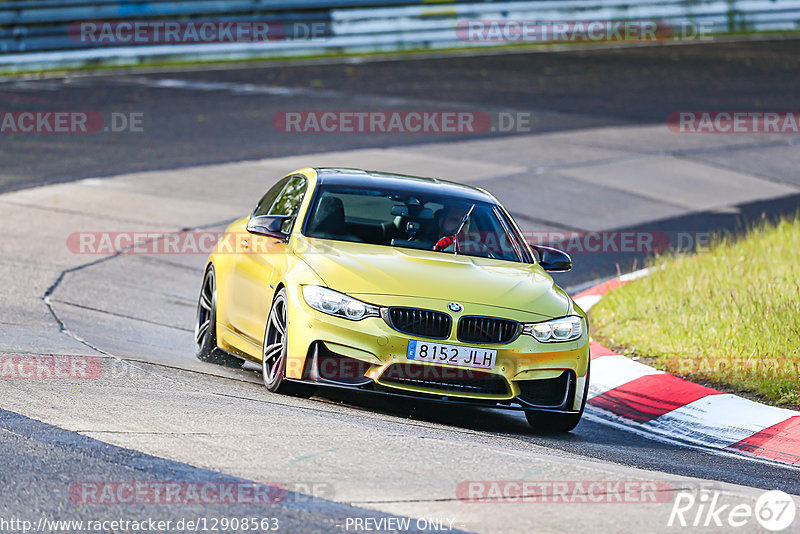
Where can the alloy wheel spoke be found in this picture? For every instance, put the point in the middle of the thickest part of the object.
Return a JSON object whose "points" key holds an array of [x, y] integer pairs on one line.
{"points": [[273, 351], [278, 324], [205, 302], [201, 331]]}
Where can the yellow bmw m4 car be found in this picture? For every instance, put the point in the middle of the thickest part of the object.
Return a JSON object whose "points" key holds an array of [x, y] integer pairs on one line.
{"points": [[398, 285]]}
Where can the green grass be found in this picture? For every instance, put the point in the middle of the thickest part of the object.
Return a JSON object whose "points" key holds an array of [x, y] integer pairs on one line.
{"points": [[728, 317]]}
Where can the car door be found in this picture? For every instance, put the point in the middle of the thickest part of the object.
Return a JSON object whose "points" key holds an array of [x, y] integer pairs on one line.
{"points": [[262, 260]]}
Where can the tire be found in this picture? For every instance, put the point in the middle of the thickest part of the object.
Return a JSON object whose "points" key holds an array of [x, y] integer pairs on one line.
{"points": [[558, 422], [205, 325], [274, 351]]}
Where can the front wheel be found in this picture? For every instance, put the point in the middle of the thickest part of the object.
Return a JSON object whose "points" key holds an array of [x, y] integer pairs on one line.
{"points": [[553, 422], [558, 422], [273, 354]]}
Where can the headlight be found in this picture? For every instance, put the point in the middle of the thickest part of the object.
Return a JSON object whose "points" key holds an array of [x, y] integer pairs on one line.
{"points": [[338, 304], [557, 330]]}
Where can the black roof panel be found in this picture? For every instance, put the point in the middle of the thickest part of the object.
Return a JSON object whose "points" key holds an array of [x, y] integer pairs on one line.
{"points": [[400, 182]]}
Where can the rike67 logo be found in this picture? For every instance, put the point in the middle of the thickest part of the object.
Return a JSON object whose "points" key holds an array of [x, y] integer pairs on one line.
{"points": [[774, 511]]}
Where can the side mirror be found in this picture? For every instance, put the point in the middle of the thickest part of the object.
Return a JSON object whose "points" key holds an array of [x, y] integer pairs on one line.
{"points": [[268, 225], [552, 259]]}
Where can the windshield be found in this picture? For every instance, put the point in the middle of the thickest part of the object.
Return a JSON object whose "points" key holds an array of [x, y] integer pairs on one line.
{"points": [[412, 220]]}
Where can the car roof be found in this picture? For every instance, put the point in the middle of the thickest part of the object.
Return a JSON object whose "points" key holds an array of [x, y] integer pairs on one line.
{"points": [[400, 183]]}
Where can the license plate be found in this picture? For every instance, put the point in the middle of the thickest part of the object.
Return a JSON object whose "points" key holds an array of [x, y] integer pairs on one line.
{"points": [[425, 351]]}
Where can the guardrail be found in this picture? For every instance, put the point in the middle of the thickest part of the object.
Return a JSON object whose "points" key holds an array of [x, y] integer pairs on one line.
{"points": [[41, 33]]}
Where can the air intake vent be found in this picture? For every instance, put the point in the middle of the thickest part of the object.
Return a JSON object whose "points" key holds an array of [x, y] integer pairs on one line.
{"points": [[475, 329], [550, 392], [465, 381], [422, 323]]}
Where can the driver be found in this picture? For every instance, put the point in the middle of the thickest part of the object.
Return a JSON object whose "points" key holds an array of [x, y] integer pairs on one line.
{"points": [[449, 221]]}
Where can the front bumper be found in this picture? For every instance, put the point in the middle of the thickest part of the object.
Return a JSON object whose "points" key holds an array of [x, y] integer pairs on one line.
{"points": [[367, 354]]}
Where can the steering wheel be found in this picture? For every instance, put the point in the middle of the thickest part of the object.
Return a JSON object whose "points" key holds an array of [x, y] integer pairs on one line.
{"points": [[449, 240]]}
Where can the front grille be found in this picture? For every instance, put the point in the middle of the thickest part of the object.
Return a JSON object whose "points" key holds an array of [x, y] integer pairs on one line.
{"points": [[547, 392], [475, 329], [423, 323], [446, 379]]}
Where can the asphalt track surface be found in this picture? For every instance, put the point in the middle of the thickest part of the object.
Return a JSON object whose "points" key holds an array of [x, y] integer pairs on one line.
{"points": [[219, 122], [37, 456], [226, 121], [212, 115]]}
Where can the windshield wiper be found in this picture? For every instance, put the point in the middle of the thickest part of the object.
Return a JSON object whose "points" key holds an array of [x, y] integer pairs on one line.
{"points": [[456, 246]]}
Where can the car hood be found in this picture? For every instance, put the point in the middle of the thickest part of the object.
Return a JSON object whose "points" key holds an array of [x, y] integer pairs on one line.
{"points": [[361, 270]]}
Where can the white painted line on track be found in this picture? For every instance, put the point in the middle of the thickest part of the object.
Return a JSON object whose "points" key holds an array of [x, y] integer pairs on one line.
{"points": [[718, 420], [603, 418]]}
